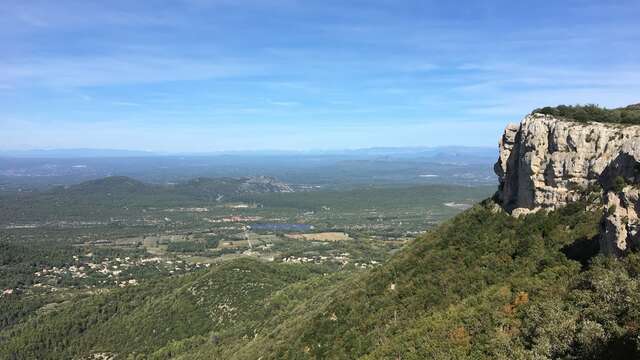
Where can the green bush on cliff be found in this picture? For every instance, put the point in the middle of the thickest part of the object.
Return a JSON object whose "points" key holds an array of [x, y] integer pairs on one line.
{"points": [[591, 112], [619, 183]]}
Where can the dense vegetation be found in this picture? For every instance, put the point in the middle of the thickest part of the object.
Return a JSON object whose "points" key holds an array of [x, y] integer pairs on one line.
{"points": [[585, 113], [18, 261], [145, 318], [482, 285]]}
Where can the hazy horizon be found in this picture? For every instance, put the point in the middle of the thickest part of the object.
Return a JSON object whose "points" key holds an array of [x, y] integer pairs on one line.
{"points": [[69, 153]]}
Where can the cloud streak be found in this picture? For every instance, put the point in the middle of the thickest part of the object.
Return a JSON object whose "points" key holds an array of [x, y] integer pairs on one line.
{"points": [[118, 70]]}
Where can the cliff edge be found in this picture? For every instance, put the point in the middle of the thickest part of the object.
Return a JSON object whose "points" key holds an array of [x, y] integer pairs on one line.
{"points": [[546, 162]]}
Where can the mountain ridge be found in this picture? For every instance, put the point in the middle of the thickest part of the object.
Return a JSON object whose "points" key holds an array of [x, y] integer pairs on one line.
{"points": [[106, 153]]}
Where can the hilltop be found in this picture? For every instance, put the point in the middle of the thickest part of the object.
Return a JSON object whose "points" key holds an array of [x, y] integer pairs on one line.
{"points": [[198, 187], [107, 197], [112, 185]]}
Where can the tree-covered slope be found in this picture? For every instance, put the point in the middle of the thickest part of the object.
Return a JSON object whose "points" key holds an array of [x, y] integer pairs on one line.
{"points": [[141, 319], [482, 285]]}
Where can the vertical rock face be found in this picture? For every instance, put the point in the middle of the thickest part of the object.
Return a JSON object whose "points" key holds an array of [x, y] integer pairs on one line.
{"points": [[620, 225], [546, 163]]}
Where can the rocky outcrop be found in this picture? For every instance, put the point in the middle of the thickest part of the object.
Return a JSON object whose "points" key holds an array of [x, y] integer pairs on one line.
{"points": [[546, 163], [620, 226]]}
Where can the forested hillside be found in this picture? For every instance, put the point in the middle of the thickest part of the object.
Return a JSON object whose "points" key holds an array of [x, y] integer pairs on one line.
{"points": [[141, 320], [482, 285]]}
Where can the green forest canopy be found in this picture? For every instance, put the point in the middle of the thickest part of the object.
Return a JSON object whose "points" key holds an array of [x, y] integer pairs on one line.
{"points": [[591, 112]]}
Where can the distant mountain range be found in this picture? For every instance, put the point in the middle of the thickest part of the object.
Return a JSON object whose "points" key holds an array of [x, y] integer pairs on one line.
{"points": [[458, 165], [374, 151], [74, 153]]}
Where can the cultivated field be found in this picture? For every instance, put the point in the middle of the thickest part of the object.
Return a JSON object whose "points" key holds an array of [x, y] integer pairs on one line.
{"points": [[323, 236]]}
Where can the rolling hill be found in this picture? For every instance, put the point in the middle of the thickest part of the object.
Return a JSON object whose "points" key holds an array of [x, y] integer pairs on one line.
{"points": [[110, 196]]}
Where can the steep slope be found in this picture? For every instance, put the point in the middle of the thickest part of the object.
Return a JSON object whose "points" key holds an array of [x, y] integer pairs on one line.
{"points": [[546, 162]]}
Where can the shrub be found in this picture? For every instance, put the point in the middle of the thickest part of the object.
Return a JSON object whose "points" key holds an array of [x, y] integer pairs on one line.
{"points": [[619, 183], [592, 112]]}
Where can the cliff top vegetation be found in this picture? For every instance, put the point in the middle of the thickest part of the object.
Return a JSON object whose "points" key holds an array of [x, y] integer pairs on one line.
{"points": [[591, 112]]}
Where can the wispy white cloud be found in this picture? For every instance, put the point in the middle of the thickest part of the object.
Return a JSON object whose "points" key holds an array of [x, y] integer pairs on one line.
{"points": [[284, 103], [47, 15], [118, 70], [203, 65], [126, 103], [511, 89]]}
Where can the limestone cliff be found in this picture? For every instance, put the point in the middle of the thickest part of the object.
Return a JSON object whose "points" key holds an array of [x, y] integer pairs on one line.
{"points": [[546, 163], [620, 227]]}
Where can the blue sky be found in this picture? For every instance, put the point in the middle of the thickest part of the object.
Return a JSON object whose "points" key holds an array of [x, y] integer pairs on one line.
{"points": [[199, 75]]}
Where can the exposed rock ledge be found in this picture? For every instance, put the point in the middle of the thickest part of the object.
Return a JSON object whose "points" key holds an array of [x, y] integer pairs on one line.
{"points": [[546, 163], [620, 226]]}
